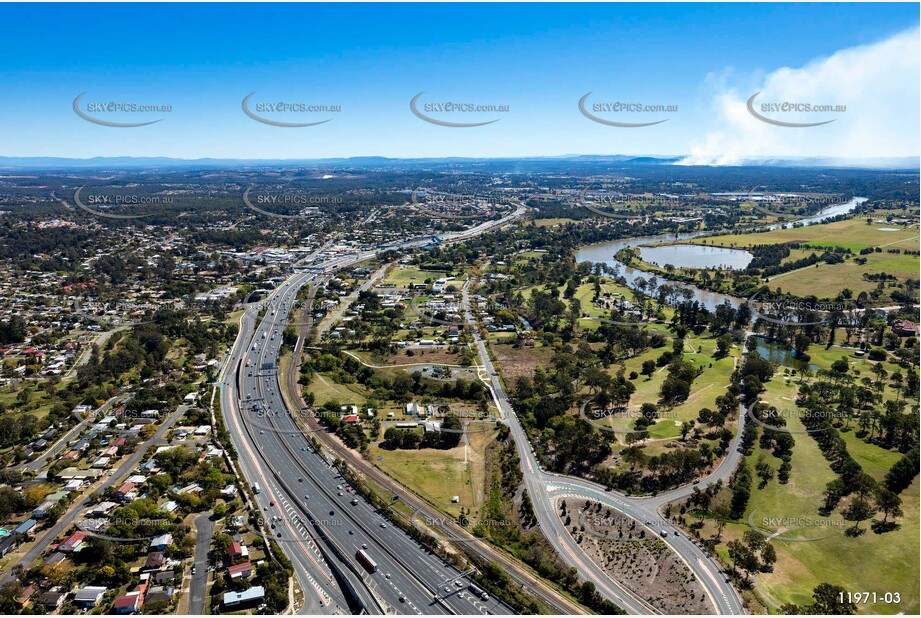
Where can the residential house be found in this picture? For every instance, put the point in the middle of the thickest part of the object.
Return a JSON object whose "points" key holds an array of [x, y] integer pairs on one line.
{"points": [[127, 604], [161, 542], [238, 571], [247, 597], [124, 491], [236, 551], [159, 593], [89, 596], [163, 577], [74, 543], [51, 600], [155, 561]]}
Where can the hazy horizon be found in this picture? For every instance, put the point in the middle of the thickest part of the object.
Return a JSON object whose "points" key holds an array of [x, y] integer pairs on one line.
{"points": [[703, 82]]}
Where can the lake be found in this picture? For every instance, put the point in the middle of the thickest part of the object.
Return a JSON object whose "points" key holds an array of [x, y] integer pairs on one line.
{"points": [[780, 354], [696, 256], [604, 252]]}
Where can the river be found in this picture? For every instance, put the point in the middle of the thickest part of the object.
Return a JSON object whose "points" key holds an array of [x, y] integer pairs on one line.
{"points": [[604, 252]]}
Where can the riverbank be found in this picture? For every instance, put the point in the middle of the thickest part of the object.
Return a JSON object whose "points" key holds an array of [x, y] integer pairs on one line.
{"points": [[823, 278]]}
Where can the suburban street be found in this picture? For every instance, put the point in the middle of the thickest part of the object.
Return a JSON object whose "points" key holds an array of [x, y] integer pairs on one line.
{"points": [[76, 509], [204, 528], [39, 462]]}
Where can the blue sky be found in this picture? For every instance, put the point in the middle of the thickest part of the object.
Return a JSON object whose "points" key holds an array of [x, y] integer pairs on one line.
{"points": [[371, 59]]}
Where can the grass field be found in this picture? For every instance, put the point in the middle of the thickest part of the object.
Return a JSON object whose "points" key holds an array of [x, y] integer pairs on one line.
{"points": [[404, 276], [38, 405], [698, 350], [827, 280], [871, 562], [325, 389], [853, 234], [706, 388], [552, 222], [438, 475]]}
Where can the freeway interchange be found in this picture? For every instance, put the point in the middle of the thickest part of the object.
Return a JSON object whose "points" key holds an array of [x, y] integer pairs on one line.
{"points": [[307, 507]]}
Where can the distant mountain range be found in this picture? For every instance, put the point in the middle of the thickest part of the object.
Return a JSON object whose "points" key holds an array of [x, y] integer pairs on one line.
{"points": [[50, 163]]}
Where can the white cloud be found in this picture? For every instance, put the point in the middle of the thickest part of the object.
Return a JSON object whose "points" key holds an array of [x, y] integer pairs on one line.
{"points": [[879, 84]]}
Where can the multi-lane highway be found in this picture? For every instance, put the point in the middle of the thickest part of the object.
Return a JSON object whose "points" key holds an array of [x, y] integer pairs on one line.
{"points": [[321, 524], [318, 521], [545, 489]]}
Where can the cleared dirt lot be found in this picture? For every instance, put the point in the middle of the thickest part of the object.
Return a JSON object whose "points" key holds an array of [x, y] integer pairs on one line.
{"points": [[634, 557]]}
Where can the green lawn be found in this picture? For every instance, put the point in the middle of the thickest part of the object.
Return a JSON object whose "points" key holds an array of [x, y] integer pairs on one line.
{"points": [[874, 460], [827, 280], [438, 475], [871, 562], [853, 234], [704, 391], [403, 276], [325, 389]]}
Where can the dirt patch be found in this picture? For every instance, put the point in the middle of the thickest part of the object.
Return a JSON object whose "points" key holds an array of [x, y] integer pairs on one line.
{"points": [[517, 362], [634, 557]]}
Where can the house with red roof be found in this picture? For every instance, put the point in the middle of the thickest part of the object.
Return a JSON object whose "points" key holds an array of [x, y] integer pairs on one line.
{"points": [[243, 570], [236, 551], [73, 543], [124, 489], [128, 603]]}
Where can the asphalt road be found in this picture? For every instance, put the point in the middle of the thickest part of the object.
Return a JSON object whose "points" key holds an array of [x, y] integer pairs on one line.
{"points": [[204, 528], [76, 509], [545, 488], [39, 462], [320, 530], [410, 579]]}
